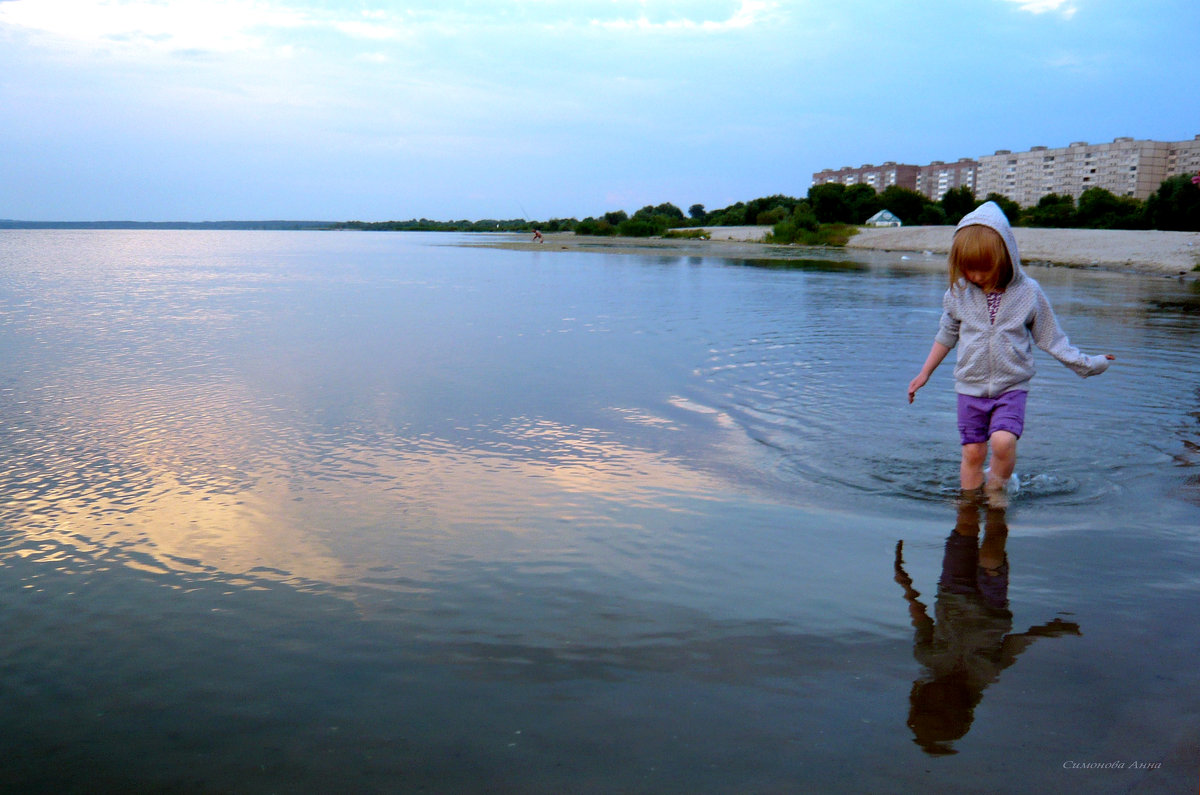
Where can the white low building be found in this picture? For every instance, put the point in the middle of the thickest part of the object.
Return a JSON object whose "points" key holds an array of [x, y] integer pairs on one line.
{"points": [[883, 218]]}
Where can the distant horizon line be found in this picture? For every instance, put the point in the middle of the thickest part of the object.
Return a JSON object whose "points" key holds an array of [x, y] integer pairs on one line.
{"points": [[264, 224], [12, 223]]}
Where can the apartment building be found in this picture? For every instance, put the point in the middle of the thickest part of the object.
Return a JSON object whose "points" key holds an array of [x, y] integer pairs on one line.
{"points": [[878, 177], [936, 178], [1125, 167], [932, 180], [1184, 158]]}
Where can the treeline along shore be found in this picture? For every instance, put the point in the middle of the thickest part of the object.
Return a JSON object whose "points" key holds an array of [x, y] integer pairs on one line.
{"points": [[1175, 206], [1158, 235]]}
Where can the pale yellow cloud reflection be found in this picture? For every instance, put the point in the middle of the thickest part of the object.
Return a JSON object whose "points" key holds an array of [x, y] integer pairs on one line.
{"points": [[216, 486]]}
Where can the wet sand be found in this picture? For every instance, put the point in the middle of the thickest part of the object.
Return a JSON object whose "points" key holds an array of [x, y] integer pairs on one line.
{"points": [[1136, 251]]}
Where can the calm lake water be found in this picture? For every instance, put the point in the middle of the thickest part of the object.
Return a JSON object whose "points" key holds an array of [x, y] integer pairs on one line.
{"points": [[313, 512]]}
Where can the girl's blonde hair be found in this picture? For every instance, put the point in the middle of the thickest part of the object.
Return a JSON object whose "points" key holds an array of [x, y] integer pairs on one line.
{"points": [[980, 248]]}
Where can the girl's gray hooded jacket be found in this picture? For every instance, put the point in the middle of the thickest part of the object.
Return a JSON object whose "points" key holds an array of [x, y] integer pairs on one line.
{"points": [[997, 357]]}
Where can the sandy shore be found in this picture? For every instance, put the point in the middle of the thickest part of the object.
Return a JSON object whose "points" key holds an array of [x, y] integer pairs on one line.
{"points": [[1135, 251], [1143, 251]]}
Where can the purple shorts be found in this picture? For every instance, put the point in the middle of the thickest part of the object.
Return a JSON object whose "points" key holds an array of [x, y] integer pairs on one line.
{"points": [[979, 418]]}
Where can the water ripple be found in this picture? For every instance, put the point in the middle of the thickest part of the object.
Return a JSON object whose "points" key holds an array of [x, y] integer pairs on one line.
{"points": [[818, 382]]}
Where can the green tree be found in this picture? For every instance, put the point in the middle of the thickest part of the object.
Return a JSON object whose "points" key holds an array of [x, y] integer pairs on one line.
{"points": [[863, 202], [1052, 210], [829, 202], [804, 218], [733, 215], [616, 217], [771, 217], [560, 225], [642, 226], [651, 220], [1101, 209], [931, 215], [769, 209], [696, 212], [668, 210], [905, 204], [592, 226], [957, 202], [754, 207], [1175, 205]]}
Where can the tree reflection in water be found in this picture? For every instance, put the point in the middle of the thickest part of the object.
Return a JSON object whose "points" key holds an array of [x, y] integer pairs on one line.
{"points": [[969, 641]]}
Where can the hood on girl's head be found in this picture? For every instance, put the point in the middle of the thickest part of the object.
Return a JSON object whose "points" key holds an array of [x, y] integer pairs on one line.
{"points": [[990, 215]]}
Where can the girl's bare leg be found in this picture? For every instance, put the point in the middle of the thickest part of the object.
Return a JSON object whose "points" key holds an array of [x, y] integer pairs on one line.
{"points": [[971, 471], [1004, 459]]}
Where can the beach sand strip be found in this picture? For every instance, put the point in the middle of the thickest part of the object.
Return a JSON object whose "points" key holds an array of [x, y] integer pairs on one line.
{"points": [[1149, 252]]}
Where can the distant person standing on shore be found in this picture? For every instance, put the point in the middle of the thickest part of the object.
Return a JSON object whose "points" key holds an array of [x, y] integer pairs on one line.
{"points": [[537, 235], [994, 313]]}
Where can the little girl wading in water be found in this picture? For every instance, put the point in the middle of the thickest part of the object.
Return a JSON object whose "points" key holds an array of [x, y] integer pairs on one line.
{"points": [[993, 312]]}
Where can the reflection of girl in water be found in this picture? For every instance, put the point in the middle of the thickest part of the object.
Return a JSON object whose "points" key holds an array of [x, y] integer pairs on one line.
{"points": [[970, 642]]}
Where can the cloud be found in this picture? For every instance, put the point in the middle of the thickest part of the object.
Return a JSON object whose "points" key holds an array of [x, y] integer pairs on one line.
{"points": [[374, 57], [367, 29], [1064, 7], [748, 14], [144, 24], [216, 26]]}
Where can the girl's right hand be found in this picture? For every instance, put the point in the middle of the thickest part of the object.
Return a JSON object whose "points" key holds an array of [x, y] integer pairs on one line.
{"points": [[916, 384]]}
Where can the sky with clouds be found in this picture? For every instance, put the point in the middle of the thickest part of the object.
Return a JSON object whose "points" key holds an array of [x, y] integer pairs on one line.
{"points": [[159, 110]]}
